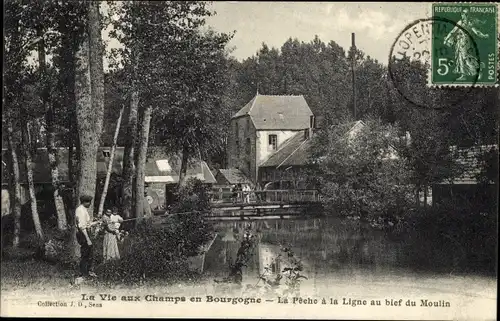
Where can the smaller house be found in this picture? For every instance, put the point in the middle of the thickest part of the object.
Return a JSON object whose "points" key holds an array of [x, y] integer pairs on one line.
{"points": [[231, 176], [467, 187], [226, 178], [162, 173]]}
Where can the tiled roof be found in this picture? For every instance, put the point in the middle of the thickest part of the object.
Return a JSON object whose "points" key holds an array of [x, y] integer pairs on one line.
{"points": [[293, 152], [159, 166], [300, 156], [468, 158], [277, 112], [234, 176]]}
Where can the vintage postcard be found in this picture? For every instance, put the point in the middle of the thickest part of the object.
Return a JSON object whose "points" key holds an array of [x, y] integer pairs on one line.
{"points": [[192, 159]]}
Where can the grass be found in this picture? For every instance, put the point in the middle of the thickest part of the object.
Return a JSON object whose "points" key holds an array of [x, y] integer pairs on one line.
{"points": [[37, 275]]}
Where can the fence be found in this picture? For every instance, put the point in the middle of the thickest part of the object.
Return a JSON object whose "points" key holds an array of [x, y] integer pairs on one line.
{"points": [[225, 195]]}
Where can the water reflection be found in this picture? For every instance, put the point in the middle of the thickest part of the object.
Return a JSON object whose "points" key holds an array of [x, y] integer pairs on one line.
{"points": [[322, 245]]}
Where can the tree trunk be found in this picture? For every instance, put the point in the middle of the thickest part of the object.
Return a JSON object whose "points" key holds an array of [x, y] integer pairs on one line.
{"points": [[96, 54], [110, 165], [76, 166], [128, 171], [70, 45], [68, 51], [184, 165], [50, 141], [15, 194], [86, 126], [28, 158], [89, 88], [142, 207], [71, 165]]}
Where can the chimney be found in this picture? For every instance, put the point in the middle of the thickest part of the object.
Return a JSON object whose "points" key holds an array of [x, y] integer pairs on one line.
{"points": [[312, 124]]}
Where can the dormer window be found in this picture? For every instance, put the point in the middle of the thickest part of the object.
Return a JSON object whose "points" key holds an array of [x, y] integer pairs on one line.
{"points": [[106, 153]]}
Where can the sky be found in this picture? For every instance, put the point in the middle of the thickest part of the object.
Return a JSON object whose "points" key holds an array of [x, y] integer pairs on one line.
{"points": [[376, 25]]}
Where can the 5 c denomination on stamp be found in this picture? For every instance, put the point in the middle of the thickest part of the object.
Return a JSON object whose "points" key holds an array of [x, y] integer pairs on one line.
{"points": [[464, 53]]}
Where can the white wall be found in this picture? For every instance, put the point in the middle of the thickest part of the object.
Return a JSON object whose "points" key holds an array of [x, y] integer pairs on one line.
{"points": [[5, 202], [262, 142], [6, 199]]}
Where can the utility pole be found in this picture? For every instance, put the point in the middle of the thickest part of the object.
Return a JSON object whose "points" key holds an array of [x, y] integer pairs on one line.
{"points": [[353, 62]]}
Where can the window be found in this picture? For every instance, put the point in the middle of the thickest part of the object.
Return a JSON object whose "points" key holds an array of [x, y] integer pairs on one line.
{"points": [[273, 142], [312, 122], [236, 129], [237, 143], [106, 153], [248, 124], [306, 133]]}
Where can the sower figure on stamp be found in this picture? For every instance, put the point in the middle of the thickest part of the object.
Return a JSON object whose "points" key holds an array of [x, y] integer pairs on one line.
{"points": [[84, 224], [466, 61]]}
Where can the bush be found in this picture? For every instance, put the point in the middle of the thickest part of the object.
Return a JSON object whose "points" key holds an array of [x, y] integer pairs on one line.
{"points": [[452, 239], [357, 176], [191, 227], [150, 252]]}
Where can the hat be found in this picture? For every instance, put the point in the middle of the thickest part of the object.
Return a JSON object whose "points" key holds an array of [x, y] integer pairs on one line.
{"points": [[85, 198]]}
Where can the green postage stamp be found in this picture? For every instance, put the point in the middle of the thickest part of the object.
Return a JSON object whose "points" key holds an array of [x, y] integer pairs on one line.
{"points": [[464, 44]]}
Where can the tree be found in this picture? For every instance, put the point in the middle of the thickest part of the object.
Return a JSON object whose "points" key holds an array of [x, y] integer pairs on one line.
{"points": [[192, 125], [357, 176], [69, 21], [16, 50], [89, 87], [423, 116], [169, 60], [142, 206], [49, 117], [128, 154], [110, 165], [29, 148]]}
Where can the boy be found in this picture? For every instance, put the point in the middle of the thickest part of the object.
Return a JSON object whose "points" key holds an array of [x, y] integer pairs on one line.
{"points": [[83, 225]]}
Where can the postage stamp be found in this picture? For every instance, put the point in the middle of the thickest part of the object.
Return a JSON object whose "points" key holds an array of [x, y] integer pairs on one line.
{"points": [[465, 49]]}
